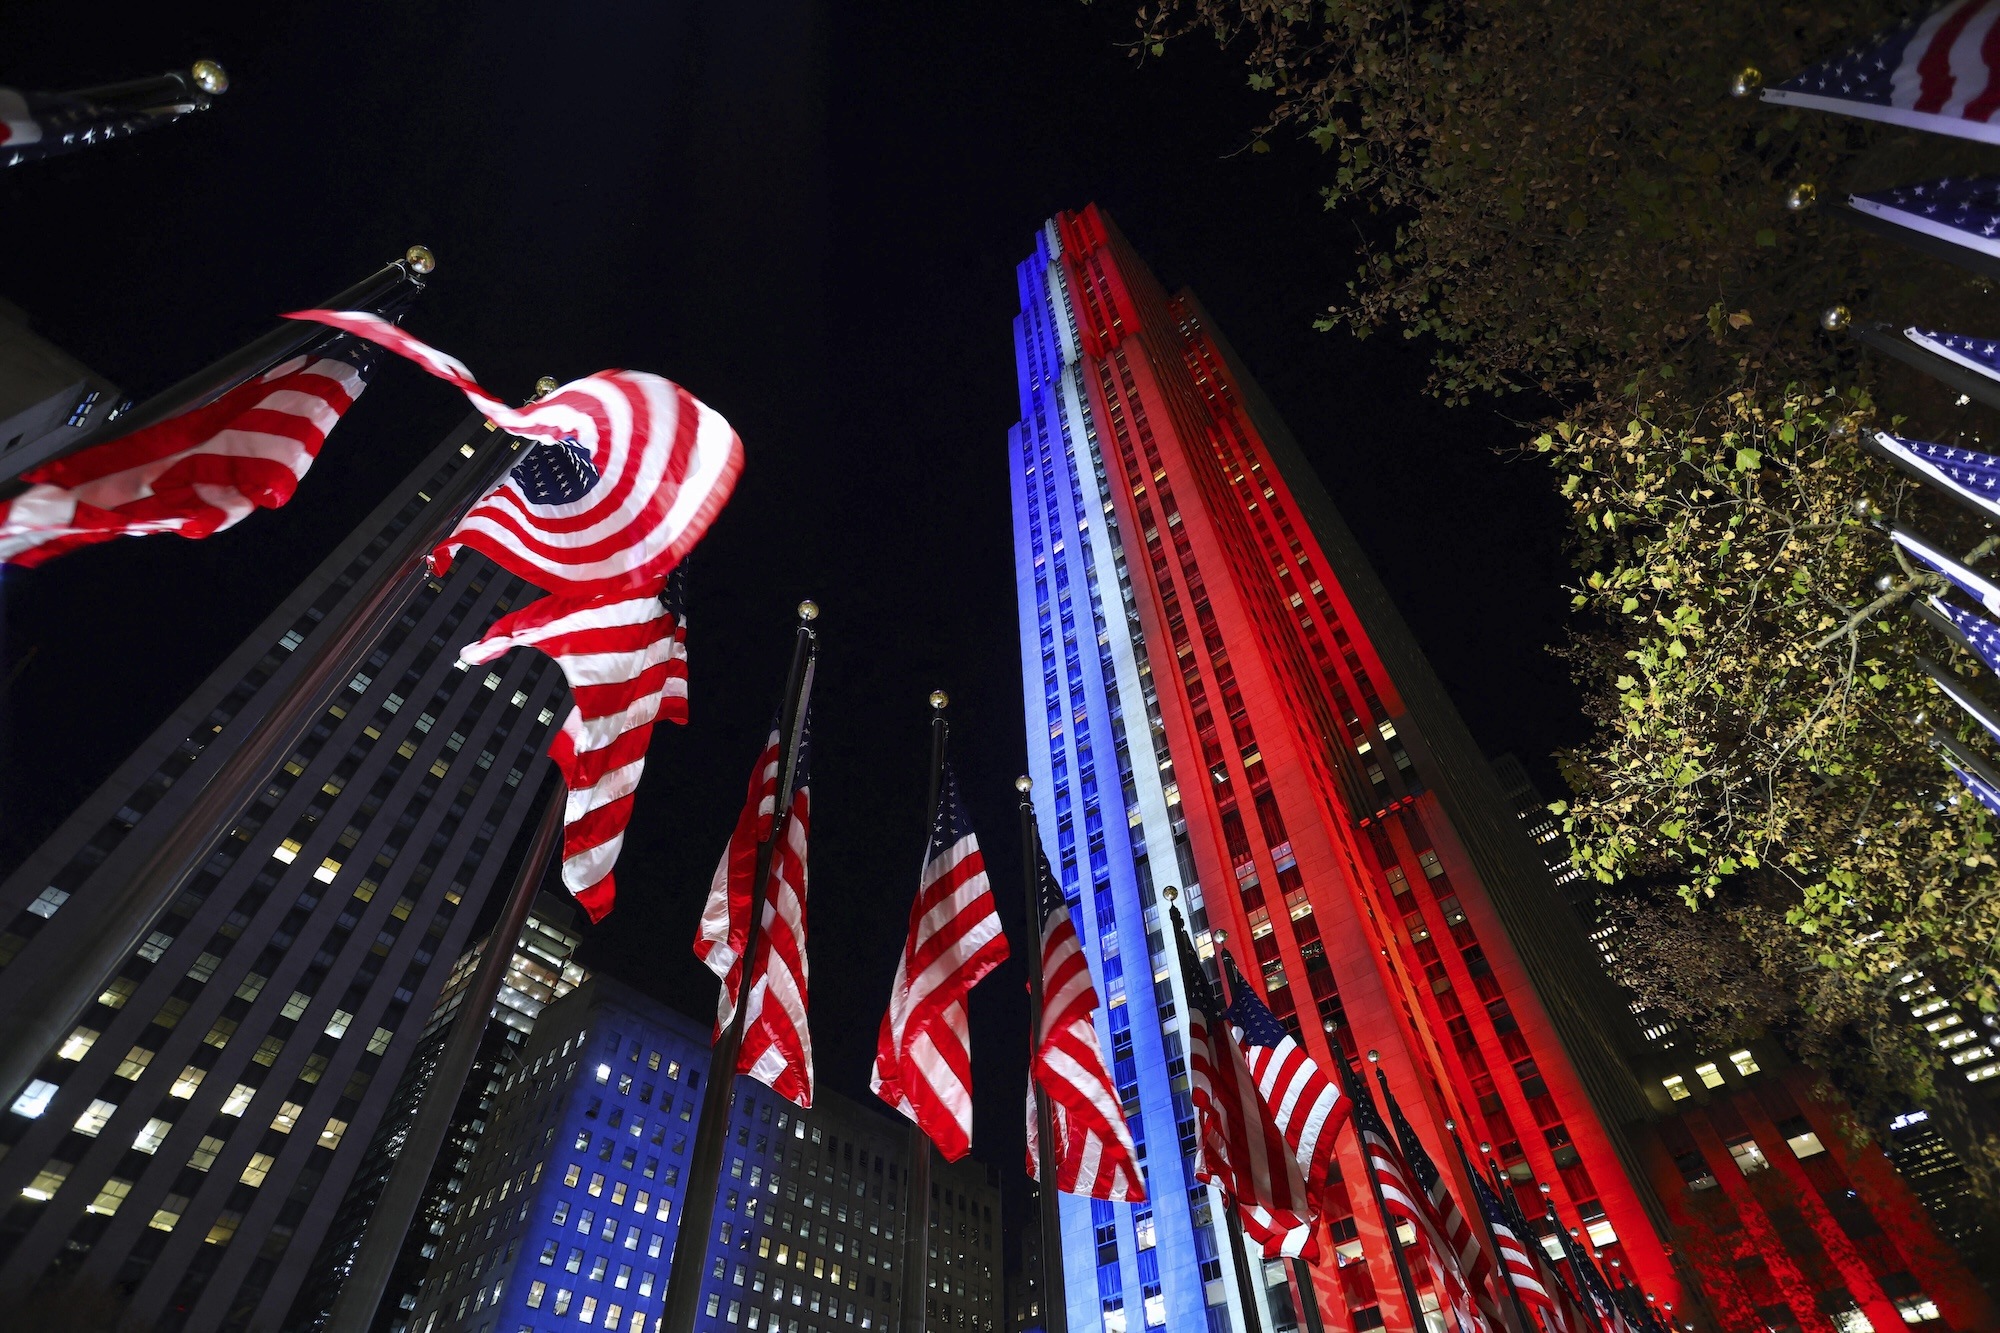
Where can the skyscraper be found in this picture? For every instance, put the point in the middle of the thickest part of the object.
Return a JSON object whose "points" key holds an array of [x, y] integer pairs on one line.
{"points": [[541, 971], [1221, 695], [572, 1206], [188, 1141]]}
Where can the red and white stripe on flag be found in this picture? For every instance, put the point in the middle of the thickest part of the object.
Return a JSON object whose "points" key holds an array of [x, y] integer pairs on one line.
{"points": [[1403, 1198], [626, 663], [1094, 1153], [923, 1060], [1242, 1152], [665, 462], [192, 475], [777, 1042]]}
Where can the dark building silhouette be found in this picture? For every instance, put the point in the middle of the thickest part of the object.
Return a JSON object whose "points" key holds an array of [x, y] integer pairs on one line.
{"points": [[186, 1145], [541, 972]]}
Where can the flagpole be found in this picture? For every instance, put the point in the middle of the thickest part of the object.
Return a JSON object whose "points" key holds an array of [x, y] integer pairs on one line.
{"points": [[917, 1176], [374, 1260], [1359, 1087], [251, 359], [690, 1256], [1055, 1304], [1500, 1272], [1254, 1313]]}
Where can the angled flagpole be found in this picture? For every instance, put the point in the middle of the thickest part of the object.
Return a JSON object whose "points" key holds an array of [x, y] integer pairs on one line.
{"points": [[1500, 1273], [705, 1166], [386, 289], [1055, 1304]]}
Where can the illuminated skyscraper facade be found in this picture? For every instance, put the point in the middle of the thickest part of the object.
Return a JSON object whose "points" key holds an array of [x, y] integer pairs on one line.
{"points": [[1220, 695]]}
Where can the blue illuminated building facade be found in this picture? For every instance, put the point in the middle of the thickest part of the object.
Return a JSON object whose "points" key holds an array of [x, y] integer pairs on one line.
{"points": [[568, 1216], [1108, 807]]}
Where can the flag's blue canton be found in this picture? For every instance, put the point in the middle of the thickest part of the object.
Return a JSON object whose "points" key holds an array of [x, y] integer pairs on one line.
{"points": [[1978, 473], [1979, 787], [953, 824], [1489, 1204], [675, 598], [1981, 633], [1860, 73], [1246, 1011], [1420, 1161], [1047, 891], [555, 472], [1982, 353], [1201, 991], [1971, 205]]}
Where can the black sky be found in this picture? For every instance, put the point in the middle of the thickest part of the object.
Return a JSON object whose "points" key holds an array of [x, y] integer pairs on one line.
{"points": [[810, 218]]}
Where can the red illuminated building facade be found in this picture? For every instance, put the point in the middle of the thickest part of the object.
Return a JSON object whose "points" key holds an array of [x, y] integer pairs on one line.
{"points": [[1300, 770]]}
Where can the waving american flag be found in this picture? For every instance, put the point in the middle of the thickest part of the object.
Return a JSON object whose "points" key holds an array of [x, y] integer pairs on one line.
{"points": [[195, 474], [777, 1041], [632, 471], [1962, 210], [1239, 1149], [626, 663], [1972, 476], [1093, 1147], [1935, 73], [1305, 1105], [923, 1055]]}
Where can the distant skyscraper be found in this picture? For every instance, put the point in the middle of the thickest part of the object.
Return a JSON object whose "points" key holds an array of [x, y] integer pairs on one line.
{"points": [[1220, 694], [541, 971], [188, 1143], [570, 1211], [48, 399], [1024, 1283]]}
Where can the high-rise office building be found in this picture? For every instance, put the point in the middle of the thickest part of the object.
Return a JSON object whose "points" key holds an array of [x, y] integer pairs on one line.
{"points": [[187, 1143], [1024, 1279], [572, 1206], [541, 971], [48, 399], [1221, 695]]}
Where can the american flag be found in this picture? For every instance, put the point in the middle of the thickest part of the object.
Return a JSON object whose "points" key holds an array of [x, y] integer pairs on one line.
{"points": [[194, 474], [661, 464], [1404, 1197], [1988, 795], [1979, 355], [1094, 1153], [1521, 1259], [1964, 472], [1976, 586], [1963, 210], [1305, 1105], [39, 125], [1935, 73], [923, 1060], [1596, 1293], [1239, 1150], [1981, 634], [777, 1042], [1467, 1259], [626, 663]]}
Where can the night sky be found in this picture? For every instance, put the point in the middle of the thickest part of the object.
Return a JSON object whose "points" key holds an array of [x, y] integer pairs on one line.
{"points": [[809, 218]]}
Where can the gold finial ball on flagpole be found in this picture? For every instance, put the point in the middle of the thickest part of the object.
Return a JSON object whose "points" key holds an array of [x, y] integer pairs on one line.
{"points": [[545, 386], [1024, 784], [809, 610], [1374, 1057], [1802, 196], [420, 259], [1486, 1150], [939, 699], [1451, 1125], [210, 77], [1170, 893], [1748, 80], [1836, 318], [1221, 936]]}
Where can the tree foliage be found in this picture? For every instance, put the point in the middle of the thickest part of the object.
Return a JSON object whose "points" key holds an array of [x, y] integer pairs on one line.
{"points": [[1564, 197]]}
